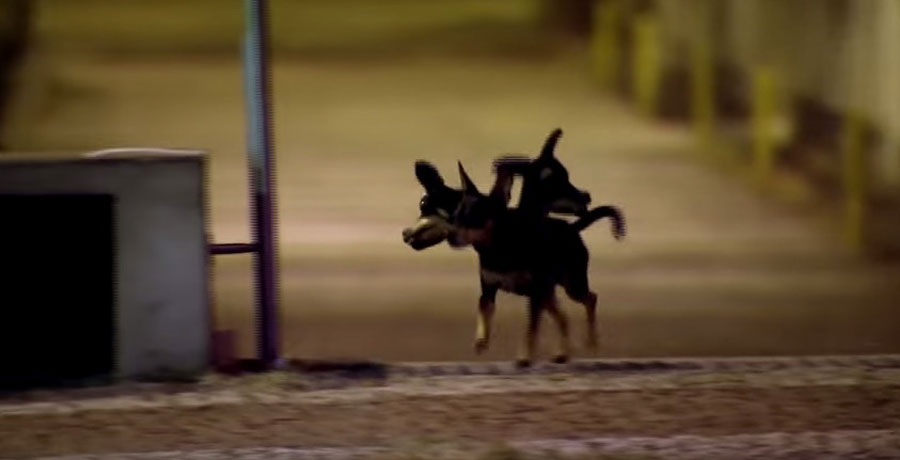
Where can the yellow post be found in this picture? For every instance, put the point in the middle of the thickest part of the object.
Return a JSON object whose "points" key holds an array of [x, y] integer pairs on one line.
{"points": [[646, 62], [854, 180], [763, 123], [702, 89], [605, 41]]}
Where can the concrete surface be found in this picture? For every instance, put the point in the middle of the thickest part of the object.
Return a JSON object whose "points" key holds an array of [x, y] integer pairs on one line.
{"points": [[708, 267], [161, 286]]}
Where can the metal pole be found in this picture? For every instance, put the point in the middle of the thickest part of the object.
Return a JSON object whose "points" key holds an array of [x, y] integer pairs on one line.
{"points": [[260, 152]]}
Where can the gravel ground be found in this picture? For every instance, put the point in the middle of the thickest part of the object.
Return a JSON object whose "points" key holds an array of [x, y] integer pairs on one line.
{"points": [[861, 444], [843, 407]]}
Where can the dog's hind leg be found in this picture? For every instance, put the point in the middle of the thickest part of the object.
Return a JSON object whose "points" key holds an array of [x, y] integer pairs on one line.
{"points": [[562, 325], [577, 289], [535, 310], [485, 317], [590, 305]]}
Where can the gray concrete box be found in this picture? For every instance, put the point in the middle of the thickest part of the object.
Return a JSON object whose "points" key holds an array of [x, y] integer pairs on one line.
{"points": [[162, 324]]}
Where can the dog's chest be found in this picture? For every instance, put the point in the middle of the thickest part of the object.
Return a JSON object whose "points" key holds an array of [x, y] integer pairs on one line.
{"points": [[514, 281]]}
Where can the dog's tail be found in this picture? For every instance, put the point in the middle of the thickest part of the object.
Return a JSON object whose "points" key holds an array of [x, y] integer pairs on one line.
{"points": [[612, 212]]}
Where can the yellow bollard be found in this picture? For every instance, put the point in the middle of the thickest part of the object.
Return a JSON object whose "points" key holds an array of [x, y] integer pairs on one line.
{"points": [[646, 62], [605, 46], [702, 95], [853, 169], [763, 123]]}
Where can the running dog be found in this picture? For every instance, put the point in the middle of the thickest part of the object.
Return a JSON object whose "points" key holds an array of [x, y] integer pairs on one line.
{"points": [[545, 188], [527, 256], [545, 182]]}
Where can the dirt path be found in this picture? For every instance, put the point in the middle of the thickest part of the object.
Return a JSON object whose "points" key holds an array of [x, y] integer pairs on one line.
{"points": [[859, 401]]}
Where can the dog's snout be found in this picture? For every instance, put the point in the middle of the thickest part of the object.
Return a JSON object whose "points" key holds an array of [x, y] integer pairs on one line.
{"points": [[586, 196], [407, 233]]}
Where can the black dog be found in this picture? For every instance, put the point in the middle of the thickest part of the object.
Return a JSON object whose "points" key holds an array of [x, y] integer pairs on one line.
{"points": [[527, 256], [434, 225], [545, 182], [545, 188], [435, 209]]}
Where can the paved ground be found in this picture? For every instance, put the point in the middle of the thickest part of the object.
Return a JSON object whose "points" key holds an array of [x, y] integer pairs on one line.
{"points": [[838, 407], [708, 266]]}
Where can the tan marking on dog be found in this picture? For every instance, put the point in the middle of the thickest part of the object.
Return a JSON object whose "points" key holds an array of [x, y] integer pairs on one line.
{"points": [[506, 281], [483, 328], [429, 229]]}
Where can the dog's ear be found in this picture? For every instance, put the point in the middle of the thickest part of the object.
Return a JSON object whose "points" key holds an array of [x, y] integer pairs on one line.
{"points": [[502, 189], [550, 144], [468, 187], [428, 175]]}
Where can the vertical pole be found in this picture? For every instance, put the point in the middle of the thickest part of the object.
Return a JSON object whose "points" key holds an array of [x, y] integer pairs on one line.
{"points": [[702, 80], [260, 152], [854, 180], [889, 91], [763, 121], [605, 41], [646, 62]]}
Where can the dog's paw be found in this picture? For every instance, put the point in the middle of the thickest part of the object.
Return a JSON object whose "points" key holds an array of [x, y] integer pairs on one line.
{"points": [[523, 363], [561, 359], [481, 346]]}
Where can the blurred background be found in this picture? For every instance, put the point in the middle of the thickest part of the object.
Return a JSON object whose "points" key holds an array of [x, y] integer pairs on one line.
{"points": [[754, 146]]}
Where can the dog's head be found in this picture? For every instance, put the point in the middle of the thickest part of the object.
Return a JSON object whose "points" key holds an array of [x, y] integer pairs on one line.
{"points": [[475, 217], [436, 209], [546, 181]]}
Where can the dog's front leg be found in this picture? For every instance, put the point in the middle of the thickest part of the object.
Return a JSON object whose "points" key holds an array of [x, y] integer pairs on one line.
{"points": [[485, 316]]}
